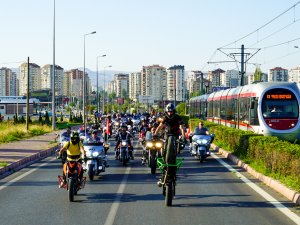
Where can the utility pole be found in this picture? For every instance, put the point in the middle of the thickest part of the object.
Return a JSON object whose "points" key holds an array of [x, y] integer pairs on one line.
{"points": [[244, 59], [27, 100]]}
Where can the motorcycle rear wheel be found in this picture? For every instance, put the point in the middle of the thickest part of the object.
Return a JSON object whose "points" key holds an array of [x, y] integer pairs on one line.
{"points": [[169, 193]]}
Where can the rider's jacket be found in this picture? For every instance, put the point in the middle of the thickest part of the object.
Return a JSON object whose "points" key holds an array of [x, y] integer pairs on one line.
{"points": [[121, 137], [73, 150], [201, 131], [172, 124]]}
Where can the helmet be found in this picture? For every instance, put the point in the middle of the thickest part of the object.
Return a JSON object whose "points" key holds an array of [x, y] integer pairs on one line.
{"points": [[74, 137], [170, 108]]}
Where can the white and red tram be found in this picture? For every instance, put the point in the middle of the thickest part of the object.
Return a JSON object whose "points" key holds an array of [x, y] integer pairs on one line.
{"points": [[268, 108]]}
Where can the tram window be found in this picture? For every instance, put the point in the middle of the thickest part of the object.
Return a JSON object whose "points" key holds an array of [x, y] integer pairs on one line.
{"points": [[280, 109]]}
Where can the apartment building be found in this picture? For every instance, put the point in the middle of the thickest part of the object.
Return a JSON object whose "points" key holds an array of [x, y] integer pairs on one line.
{"points": [[121, 82], [278, 74], [135, 85], [34, 78], [294, 75], [154, 82], [46, 78], [8, 82], [175, 83]]}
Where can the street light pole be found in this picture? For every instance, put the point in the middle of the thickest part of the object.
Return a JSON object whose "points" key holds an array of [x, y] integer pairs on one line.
{"points": [[104, 87], [84, 82], [53, 74], [98, 109]]}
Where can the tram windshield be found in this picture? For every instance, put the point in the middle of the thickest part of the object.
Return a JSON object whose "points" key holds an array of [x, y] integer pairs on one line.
{"points": [[280, 103]]}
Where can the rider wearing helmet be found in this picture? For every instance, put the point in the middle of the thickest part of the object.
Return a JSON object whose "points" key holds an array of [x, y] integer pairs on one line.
{"points": [[123, 135], [73, 148], [172, 122]]}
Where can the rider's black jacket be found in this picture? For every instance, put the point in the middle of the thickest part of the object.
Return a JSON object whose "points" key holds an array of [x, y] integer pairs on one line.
{"points": [[172, 123], [121, 136]]}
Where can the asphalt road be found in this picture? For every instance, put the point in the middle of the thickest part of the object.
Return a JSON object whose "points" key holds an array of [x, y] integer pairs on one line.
{"points": [[206, 193]]}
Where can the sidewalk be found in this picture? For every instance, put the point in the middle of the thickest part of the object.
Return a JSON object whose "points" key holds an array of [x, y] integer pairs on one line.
{"points": [[21, 153]]}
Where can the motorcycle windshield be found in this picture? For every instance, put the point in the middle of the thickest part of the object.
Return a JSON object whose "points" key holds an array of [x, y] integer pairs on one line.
{"points": [[200, 137], [86, 143]]}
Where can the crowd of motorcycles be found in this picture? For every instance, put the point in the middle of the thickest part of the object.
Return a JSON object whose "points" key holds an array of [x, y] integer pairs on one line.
{"points": [[96, 160]]}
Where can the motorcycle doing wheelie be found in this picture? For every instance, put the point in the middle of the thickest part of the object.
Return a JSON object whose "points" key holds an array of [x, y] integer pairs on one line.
{"points": [[95, 161], [201, 145], [72, 169], [169, 165]]}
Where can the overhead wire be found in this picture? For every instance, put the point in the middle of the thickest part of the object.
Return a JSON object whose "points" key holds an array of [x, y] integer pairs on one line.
{"points": [[266, 24]]}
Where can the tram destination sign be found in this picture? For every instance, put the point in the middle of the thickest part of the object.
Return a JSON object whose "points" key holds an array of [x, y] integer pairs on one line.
{"points": [[279, 96]]}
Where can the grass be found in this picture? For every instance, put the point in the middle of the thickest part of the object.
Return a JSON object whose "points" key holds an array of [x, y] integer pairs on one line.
{"points": [[10, 132], [3, 164]]}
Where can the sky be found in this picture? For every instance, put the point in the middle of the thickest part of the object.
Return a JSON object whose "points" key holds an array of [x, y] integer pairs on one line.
{"points": [[136, 33]]}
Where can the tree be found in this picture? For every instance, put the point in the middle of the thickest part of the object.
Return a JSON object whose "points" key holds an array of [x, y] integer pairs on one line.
{"points": [[257, 75], [180, 108], [47, 121], [40, 118], [112, 96]]}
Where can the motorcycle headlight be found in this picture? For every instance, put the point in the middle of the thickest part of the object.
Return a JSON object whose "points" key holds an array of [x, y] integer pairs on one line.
{"points": [[95, 154], [88, 154], [158, 144], [149, 144], [123, 143], [117, 124], [202, 141]]}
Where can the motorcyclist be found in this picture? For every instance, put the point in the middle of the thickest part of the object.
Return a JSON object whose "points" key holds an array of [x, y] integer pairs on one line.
{"points": [[123, 135], [201, 130], [66, 133], [73, 148], [174, 126], [94, 138]]}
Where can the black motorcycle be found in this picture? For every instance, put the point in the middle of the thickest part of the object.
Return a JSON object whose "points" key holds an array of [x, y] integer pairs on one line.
{"points": [[153, 151], [169, 165]]}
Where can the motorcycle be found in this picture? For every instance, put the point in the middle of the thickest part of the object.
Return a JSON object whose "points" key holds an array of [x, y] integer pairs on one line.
{"points": [[200, 146], [153, 151], [73, 184], [95, 161], [123, 149], [169, 167]]}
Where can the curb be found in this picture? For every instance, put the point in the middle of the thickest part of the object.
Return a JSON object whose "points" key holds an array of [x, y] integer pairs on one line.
{"points": [[292, 195], [13, 167]]}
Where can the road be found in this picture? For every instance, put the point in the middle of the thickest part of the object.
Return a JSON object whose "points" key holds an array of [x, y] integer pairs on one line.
{"points": [[207, 193]]}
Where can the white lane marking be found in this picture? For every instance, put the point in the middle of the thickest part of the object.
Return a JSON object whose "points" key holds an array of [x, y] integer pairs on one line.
{"points": [[294, 217], [114, 208], [5, 185]]}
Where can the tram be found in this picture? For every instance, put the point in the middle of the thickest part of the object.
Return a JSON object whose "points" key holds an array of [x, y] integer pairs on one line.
{"points": [[268, 108]]}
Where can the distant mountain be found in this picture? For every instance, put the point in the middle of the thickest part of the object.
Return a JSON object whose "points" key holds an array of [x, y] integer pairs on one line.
{"points": [[109, 75]]}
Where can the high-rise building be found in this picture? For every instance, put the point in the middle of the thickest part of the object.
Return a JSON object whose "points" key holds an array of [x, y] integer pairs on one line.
{"points": [[46, 78], [230, 78], [215, 77], [175, 84], [121, 82], [278, 74], [294, 75], [8, 82], [195, 82], [134, 85], [34, 78], [154, 82], [72, 83]]}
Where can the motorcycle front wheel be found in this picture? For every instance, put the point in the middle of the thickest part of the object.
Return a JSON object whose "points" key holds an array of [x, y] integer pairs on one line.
{"points": [[91, 172], [152, 164]]}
